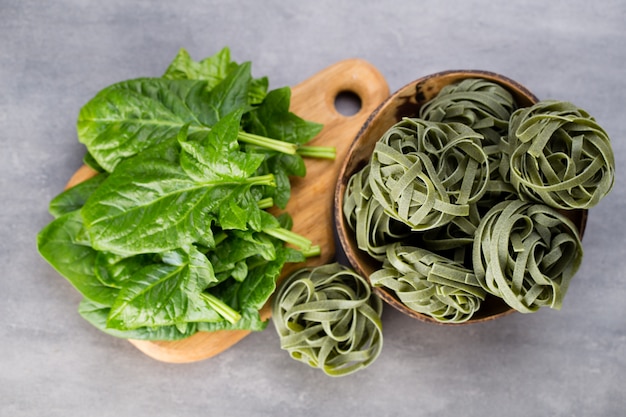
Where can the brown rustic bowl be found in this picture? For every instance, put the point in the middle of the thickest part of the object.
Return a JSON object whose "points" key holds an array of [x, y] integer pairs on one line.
{"points": [[406, 102]]}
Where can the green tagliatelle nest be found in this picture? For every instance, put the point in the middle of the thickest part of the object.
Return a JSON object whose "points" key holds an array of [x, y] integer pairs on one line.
{"points": [[424, 174], [328, 318], [430, 284], [374, 228], [526, 254], [480, 104], [484, 106], [464, 204], [559, 155]]}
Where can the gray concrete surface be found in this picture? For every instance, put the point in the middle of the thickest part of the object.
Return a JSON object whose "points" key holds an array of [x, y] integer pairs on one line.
{"points": [[55, 55]]}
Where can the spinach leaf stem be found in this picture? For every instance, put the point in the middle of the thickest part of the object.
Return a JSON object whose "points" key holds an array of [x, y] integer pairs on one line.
{"points": [[265, 203], [268, 143], [287, 236], [322, 152], [223, 309], [267, 179]]}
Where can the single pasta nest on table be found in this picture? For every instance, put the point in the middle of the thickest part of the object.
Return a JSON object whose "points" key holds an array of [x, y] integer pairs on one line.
{"points": [[329, 318]]}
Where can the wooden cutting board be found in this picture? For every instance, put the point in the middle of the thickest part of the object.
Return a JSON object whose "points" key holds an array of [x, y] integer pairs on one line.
{"points": [[311, 203]]}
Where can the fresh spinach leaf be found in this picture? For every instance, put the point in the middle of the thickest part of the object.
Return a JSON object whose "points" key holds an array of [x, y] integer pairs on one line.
{"points": [[215, 156], [98, 315], [90, 161], [229, 95], [172, 237], [250, 320], [59, 244], [213, 69], [151, 204], [74, 198], [128, 117], [131, 116], [273, 119], [166, 294], [282, 167], [113, 270], [236, 248], [260, 282]]}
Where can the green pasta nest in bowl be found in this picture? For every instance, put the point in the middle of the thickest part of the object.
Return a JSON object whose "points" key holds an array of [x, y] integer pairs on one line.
{"points": [[464, 198]]}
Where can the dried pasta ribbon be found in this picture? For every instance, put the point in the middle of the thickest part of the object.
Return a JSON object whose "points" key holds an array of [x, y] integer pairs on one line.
{"points": [[424, 174], [455, 239], [526, 253], [328, 318], [429, 283], [374, 229], [559, 155], [483, 105]]}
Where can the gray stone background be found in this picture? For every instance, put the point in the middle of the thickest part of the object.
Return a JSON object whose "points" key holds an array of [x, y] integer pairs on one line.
{"points": [[55, 55]]}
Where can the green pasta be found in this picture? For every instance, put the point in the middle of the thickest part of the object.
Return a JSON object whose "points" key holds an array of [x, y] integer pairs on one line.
{"points": [[425, 174], [455, 238], [483, 105], [328, 318], [430, 284], [486, 107], [559, 155], [374, 229], [526, 253], [463, 202]]}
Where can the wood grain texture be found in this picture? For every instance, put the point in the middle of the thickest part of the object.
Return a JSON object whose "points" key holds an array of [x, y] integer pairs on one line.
{"points": [[311, 204]]}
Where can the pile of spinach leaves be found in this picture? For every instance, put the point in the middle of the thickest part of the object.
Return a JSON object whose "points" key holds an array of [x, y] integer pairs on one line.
{"points": [[172, 235]]}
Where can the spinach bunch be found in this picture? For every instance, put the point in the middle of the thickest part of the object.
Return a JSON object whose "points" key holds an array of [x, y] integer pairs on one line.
{"points": [[172, 235]]}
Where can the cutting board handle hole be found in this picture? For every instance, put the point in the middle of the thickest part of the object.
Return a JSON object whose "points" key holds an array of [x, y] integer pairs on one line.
{"points": [[348, 103]]}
